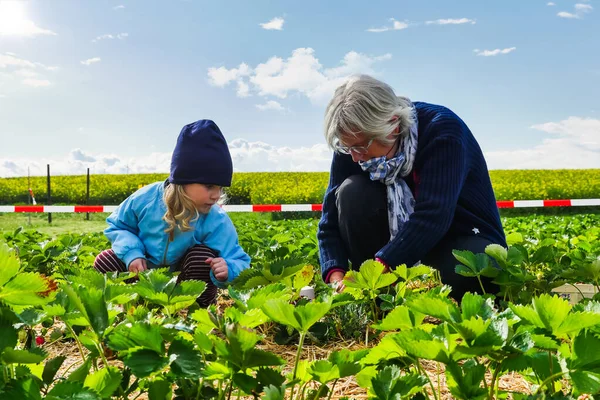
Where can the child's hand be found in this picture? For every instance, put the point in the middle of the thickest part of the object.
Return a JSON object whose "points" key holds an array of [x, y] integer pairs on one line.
{"points": [[219, 268], [138, 265]]}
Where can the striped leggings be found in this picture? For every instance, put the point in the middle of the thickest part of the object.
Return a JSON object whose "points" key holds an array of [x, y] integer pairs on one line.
{"points": [[193, 267]]}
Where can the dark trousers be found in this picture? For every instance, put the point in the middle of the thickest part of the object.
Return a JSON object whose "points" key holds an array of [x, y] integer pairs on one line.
{"points": [[364, 228], [193, 267]]}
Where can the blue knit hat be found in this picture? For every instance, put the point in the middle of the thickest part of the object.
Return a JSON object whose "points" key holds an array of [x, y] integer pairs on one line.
{"points": [[201, 155]]}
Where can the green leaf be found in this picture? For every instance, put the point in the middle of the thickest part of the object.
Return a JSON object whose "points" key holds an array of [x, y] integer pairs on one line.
{"points": [[577, 321], [8, 334], [552, 310], [513, 238], [498, 253], [540, 362], [203, 317], [71, 391], [464, 382], [319, 393], [384, 383], [436, 306], [475, 305], [216, 370], [390, 384], [274, 291], [274, 393], [9, 264], [145, 362], [516, 255], [203, 341], [365, 376], [82, 372], [245, 382], [386, 349], [543, 255], [104, 381], [585, 382], [268, 376], [304, 277], [323, 371], [545, 342], [465, 271], [586, 351], [521, 342], [527, 314], [400, 318], [185, 361], [95, 308], [310, 313], [23, 291], [119, 294], [260, 358], [127, 337], [348, 362], [421, 344], [51, 368], [12, 356], [160, 389], [467, 258], [300, 318], [250, 318], [370, 276]]}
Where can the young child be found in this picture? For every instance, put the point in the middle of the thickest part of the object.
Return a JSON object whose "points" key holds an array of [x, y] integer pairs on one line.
{"points": [[178, 222]]}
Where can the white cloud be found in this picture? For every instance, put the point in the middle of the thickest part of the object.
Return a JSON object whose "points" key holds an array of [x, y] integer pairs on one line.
{"points": [[550, 4], [119, 7], [91, 61], [301, 72], [222, 76], [14, 21], [109, 36], [27, 73], [451, 21], [274, 24], [20, 68], [396, 26], [575, 143], [247, 157], [580, 10], [491, 53], [270, 105], [10, 60], [36, 82]]}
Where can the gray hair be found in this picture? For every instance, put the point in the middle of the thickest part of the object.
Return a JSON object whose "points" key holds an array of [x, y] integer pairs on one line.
{"points": [[366, 105]]}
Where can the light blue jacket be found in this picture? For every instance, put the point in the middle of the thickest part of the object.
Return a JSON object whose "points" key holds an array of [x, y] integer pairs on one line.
{"points": [[136, 230]]}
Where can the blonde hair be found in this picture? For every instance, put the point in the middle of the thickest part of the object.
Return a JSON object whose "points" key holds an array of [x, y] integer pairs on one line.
{"points": [[181, 210], [366, 105]]}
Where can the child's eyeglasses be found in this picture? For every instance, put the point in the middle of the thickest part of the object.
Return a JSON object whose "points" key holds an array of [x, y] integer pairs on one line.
{"points": [[353, 149]]}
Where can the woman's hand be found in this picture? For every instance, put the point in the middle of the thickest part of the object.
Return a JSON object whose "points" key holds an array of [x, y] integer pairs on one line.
{"points": [[138, 265], [219, 268], [337, 279]]}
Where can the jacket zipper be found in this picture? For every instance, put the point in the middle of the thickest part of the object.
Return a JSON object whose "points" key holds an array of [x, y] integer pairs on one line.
{"points": [[169, 239]]}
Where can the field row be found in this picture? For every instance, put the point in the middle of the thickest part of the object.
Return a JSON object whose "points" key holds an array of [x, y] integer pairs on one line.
{"points": [[291, 187]]}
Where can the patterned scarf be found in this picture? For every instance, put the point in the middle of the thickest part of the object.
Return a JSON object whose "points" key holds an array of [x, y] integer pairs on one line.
{"points": [[400, 200]]}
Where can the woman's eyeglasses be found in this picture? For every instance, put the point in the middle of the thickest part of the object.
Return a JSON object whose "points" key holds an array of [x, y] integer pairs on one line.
{"points": [[353, 149]]}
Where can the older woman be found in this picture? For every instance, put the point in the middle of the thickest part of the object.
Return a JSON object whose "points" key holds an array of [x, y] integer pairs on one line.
{"points": [[408, 184]]}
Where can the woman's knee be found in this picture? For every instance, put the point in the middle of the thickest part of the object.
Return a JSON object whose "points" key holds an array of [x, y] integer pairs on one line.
{"points": [[359, 193]]}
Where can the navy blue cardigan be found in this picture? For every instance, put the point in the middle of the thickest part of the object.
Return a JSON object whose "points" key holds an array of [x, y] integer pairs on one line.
{"points": [[452, 189]]}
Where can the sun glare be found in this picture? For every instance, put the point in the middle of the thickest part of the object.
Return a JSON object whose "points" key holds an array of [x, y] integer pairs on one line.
{"points": [[13, 18]]}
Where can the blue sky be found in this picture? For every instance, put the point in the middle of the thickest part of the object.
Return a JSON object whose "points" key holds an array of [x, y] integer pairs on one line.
{"points": [[109, 84]]}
